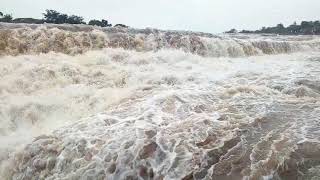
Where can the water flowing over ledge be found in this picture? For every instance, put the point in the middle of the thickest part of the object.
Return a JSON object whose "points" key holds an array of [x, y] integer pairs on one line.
{"points": [[18, 39], [153, 109], [119, 114]]}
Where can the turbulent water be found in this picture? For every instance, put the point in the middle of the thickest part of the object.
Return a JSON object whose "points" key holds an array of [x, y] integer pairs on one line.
{"points": [[78, 102]]}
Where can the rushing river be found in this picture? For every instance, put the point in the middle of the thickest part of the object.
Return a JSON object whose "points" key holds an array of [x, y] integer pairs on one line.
{"points": [[78, 102]]}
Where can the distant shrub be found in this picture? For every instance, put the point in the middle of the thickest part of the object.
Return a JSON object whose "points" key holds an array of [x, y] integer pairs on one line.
{"points": [[102, 23], [306, 27], [232, 31], [28, 20], [73, 19], [121, 26]]}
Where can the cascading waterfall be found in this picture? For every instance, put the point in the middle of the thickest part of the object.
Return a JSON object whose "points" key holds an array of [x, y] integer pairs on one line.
{"points": [[67, 39], [82, 102]]}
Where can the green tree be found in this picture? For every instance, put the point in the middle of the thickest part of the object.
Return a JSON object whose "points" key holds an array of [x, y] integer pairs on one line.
{"points": [[55, 17], [317, 27], [1, 14], [51, 16], [73, 19], [6, 18], [106, 23], [62, 18], [307, 27], [280, 26]]}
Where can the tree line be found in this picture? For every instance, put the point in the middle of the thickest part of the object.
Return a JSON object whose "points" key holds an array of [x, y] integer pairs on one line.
{"points": [[304, 28], [55, 17]]}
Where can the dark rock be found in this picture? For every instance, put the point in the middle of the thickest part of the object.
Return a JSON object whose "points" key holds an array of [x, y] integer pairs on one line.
{"points": [[151, 173], [128, 144], [112, 168], [207, 141], [148, 150], [143, 172], [107, 158], [51, 162], [188, 177], [88, 156], [201, 174], [39, 164], [131, 177], [150, 133]]}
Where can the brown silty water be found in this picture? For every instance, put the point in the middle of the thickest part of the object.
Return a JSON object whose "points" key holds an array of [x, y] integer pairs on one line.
{"points": [[78, 102]]}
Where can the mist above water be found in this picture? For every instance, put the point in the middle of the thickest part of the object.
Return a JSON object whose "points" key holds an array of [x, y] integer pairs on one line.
{"points": [[149, 104]]}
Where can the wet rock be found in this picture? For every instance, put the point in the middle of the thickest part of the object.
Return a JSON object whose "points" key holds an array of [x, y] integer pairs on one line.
{"points": [[42, 137], [151, 173], [213, 156], [45, 142], [128, 144], [127, 158], [54, 148], [76, 164], [160, 156], [148, 150], [25, 157], [230, 143], [278, 87], [170, 80], [131, 177], [143, 172], [150, 133], [109, 122], [115, 157], [147, 88], [101, 175], [188, 177], [301, 92], [62, 164], [39, 164], [92, 165], [161, 177], [81, 146], [112, 168], [289, 171], [223, 117], [33, 150], [51, 162], [107, 158], [201, 174], [88, 156], [200, 108], [98, 142], [309, 149], [93, 174], [207, 141], [315, 85]]}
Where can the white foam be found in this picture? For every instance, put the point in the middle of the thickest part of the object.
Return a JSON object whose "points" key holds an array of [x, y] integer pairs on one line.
{"points": [[119, 94]]}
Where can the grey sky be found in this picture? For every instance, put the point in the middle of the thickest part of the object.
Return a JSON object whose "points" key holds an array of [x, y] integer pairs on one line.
{"points": [[199, 15]]}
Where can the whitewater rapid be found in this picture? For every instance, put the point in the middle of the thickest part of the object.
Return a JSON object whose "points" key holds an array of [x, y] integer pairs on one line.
{"points": [[16, 39], [87, 103]]}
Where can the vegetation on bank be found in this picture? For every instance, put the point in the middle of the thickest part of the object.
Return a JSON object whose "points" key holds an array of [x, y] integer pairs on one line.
{"points": [[55, 17], [305, 28]]}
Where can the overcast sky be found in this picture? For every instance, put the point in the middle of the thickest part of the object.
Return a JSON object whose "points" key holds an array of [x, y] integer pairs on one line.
{"points": [[199, 15]]}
